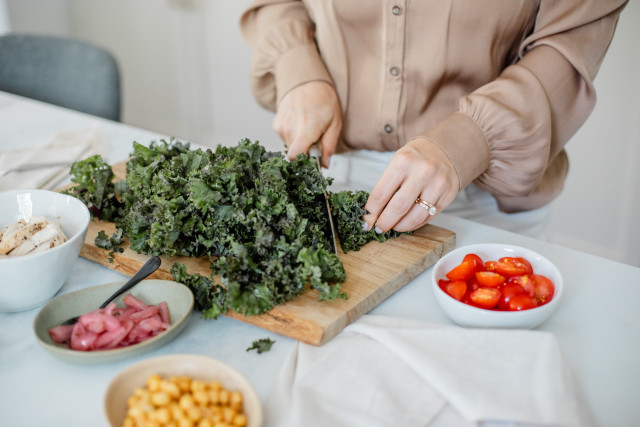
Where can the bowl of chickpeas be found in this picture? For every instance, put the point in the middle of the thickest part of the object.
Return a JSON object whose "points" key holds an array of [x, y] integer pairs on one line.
{"points": [[182, 390]]}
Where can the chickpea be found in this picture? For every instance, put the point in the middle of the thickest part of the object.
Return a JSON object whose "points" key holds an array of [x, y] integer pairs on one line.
{"points": [[235, 400], [160, 398], [153, 382], [228, 414], [240, 420], [186, 401], [224, 397], [194, 413], [171, 388], [197, 385], [201, 396]]}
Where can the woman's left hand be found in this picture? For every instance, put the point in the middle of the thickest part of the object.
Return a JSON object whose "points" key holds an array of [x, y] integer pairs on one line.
{"points": [[420, 169]]}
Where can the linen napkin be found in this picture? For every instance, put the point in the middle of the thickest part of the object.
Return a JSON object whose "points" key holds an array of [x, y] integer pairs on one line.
{"points": [[383, 371], [53, 159]]}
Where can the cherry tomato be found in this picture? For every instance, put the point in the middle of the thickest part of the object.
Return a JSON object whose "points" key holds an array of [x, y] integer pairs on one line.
{"points": [[527, 283], [456, 289], [509, 290], [522, 302], [490, 265], [463, 271], [544, 289], [489, 279], [513, 266], [485, 297], [476, 260]]}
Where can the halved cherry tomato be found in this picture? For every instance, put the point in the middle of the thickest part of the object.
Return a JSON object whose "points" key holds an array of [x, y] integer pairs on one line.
{"points": [[513, 266], [509, 290], [490, 265], [527, 283], [522, 302], [544, 289], [485, 297], [489, 279], [477, 261], [463, 271], [456, 288]]}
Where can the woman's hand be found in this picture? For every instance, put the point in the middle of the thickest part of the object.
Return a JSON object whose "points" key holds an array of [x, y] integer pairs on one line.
{"points": [[309, 113], [419, 169]]}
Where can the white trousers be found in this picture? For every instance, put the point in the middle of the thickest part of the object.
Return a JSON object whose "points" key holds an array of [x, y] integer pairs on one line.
{"points": [[360, 170]]}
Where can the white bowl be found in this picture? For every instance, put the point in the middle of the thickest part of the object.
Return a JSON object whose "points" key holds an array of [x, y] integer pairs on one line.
{"points": [[467, 315], [29, 281], [195, 366]]}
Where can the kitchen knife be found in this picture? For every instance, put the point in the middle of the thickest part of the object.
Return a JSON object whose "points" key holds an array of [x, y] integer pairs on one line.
{"points": [[316, 152]]}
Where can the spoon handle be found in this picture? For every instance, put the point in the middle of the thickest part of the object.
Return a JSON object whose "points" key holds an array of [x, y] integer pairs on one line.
{"points": [[149, 267]]}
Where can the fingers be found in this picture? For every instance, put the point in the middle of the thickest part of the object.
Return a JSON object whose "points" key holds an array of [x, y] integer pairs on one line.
{"points": [[417, 170], [329, 141], [307, 114]]}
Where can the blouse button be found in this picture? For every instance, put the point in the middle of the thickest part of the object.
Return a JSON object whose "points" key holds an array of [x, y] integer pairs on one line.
{"points": [[388, 128], [396, 10], [394, 71]]}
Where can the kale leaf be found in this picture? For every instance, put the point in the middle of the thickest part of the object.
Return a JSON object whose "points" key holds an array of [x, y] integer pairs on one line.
{"points": [[262, 345], [94, 186]]}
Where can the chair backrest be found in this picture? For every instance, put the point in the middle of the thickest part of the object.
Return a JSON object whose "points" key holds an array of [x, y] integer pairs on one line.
{"points": [[61, 71]]}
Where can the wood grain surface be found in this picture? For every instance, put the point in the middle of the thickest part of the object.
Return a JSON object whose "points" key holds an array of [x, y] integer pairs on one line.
{"points": [[373, 274]]}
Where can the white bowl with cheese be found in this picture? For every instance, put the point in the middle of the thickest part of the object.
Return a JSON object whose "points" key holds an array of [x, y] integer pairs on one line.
{"points": [[28, 281]]}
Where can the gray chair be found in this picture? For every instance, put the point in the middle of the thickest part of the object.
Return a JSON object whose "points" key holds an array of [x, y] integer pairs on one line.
{"points": [[61, 71]]}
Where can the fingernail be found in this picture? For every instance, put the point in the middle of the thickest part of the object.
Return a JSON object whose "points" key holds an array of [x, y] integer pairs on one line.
{"points": [[328, 161], [379, 230], [365, 226]]}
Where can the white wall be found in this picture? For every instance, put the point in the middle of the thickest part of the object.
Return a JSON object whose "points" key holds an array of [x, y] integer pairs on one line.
{"points": [[599, 210], [185, 73]]}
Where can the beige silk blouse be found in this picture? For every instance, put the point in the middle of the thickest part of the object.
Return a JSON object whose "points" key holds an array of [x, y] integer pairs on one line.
{"points": [[499, 85]]}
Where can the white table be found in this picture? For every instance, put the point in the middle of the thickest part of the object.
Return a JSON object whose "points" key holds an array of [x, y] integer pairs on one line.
{"points": [[597, 324]]}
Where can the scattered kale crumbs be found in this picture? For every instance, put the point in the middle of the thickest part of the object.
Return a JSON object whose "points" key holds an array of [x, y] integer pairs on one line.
{"points": [[260, 219], [262, 345], [347, 211], [111, 243]]}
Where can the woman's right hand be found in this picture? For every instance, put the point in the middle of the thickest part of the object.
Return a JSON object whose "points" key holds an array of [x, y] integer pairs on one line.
{"points": [[307, 114]]}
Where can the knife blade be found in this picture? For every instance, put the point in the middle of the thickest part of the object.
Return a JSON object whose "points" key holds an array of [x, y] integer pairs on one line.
{"points": [[316, 152]]}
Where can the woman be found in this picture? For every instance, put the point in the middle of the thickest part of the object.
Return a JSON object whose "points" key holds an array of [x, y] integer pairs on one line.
{"points": [[459, 105]]}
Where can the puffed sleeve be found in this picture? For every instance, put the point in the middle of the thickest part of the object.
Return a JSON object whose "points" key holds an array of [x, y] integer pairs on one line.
{"points": [[509, 134], [285, 54]]}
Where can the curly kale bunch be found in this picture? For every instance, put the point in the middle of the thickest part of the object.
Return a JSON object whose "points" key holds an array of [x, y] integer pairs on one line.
{"points": [[260, 218]]}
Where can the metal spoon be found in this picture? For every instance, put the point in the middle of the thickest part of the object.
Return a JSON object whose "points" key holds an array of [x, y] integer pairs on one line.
{"points": [[149, 267]]}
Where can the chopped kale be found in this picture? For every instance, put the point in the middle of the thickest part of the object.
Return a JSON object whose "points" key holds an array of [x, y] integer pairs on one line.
{"points": [[262, 345], [347, 211], [111, 243]]}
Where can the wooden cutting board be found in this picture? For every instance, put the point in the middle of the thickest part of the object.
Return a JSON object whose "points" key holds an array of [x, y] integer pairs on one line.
{"points": [[373, 274]]}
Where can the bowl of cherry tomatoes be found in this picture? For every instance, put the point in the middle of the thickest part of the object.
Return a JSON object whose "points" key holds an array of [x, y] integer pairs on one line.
{"points": [[494, 285]]}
